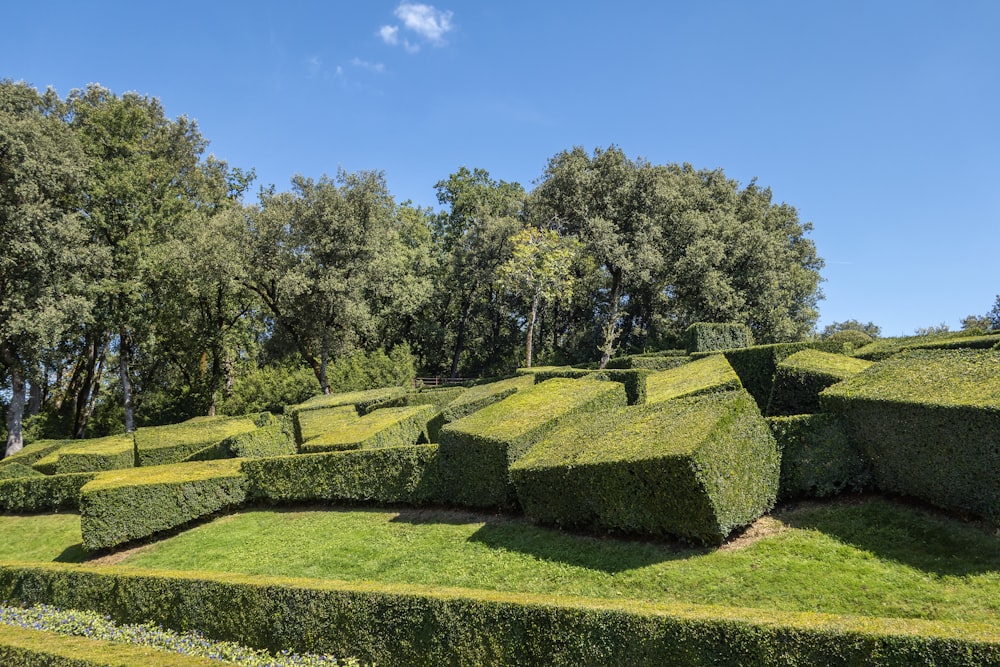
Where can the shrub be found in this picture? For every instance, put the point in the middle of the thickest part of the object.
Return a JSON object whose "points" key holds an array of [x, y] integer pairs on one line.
{"points": [[477, 450], [160, 445], [696, 468], [46, 493], [852, 337], [929, 421], [634, 380], [706, 337], [799, 379], [479, 396], [951, 340], [440, 398], [33, 452], [112, 452], [122, 506], [274, 439], [360, 400], [817, 458], [338, 429], [398, 624], [652, 363], [15, 470], [407, 475], [707, 375], [270, 388]]}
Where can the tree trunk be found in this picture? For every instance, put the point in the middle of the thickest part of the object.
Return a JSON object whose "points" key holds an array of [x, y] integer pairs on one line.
{"points": [[15, 411], [80, 428], [213, 383], [460, 337], [35, 393], [611, 330], [531, 330], [82, 399], [230, 377], [123, 355]]}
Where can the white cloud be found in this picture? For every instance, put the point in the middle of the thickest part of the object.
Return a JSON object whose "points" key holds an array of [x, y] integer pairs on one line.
{"points": [[427, 22], [315, 65], [364, 64]]}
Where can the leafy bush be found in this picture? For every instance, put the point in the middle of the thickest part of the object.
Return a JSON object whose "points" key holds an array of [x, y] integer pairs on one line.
{"points": [[852, 337], [696, 468], [46, 493], [817, 458], [479, 396], [160, 445], [634, 380], [439, 398], [707, 375], [112, 452], [407, 475], [799, 379], [269, 389], [707, 337], [648, 362], [18, 470], [386, 427], [477, 450], [397, 624], [33, 452], [274, 439], [951, 340], [929, 421], [360, 400], [122, 506]]}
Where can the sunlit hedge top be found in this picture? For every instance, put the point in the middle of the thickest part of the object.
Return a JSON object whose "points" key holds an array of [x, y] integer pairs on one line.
{"points": [[198, 430], [165, 474], [112, 445], [887, 347], [967, 378], [713, 373], [33, 452], [825, 363], [358, 398]]}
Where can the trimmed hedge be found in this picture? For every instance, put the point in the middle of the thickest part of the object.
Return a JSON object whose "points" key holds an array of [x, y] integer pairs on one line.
{"points": [[706, 337], [697, 468], [160, 445], [478, 397], [43, 494], [707, 375], [123, 506], [113, 452], [400, 624], [15, 470], [652, 363], [29, 454], [385, 427], [309, 424], [888, 347], [24, 647], [633, 379], [439, 397], [361, 400], [477, 450], [930, 423], [799, 379], [817, 458], [409, 475]]}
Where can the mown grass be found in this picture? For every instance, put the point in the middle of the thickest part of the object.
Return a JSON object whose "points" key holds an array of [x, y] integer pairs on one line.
{"points": [[864, 557]]}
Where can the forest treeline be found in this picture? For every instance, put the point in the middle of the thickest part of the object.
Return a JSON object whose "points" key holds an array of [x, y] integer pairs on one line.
{"points": [[139, 284]]}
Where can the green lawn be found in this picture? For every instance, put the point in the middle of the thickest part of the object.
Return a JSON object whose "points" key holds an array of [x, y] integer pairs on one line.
{"points": [[866, 557]]}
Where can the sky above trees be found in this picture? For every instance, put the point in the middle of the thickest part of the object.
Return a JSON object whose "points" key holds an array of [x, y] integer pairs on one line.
{"points": [[875, 120]]}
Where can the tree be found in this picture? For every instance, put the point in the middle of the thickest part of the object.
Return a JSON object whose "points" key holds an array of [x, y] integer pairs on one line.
{"points": [[540, 269], [988, 322], [869, 328], [44, 246]]}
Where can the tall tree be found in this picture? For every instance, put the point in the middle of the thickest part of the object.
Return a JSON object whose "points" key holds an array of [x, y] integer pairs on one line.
{"points": [[44, 247]]}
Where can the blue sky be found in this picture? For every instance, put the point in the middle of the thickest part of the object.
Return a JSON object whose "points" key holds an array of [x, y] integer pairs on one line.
{"points": [[879, 120]]}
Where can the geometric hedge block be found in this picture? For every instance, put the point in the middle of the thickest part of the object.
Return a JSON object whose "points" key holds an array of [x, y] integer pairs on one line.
{"points": [[113, 452], [159, 445], [339, 429], [799, 379], [707, 375]]}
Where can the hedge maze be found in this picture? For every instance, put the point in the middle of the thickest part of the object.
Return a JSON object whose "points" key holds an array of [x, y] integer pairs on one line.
{"points": [[692, 444]]}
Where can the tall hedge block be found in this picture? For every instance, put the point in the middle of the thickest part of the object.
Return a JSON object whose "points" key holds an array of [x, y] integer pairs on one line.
{"points": [[956, 340], [477, 451], [799, 379], [160, 445], [113, 452], [929, 421], [361, 400], [29, 454], [479, 396], [707, 375], [707, 337], [697, 468], [15, 470], [123, 506], [45, 493], [633, 379], [817, 457], [385, 427], [409, 475]]}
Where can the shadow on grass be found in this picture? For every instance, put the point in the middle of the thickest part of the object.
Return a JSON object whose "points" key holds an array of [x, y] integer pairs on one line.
{"points": [[920, 537], [73, 554]]}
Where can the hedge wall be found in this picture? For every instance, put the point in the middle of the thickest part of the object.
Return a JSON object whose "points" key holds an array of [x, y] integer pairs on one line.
{"points": [[477, 450], [817, 458], [706, 337], [29, 454], [409, 475], [160, 445], [43, 494], [929, 421], [887, 347], [309, 424], [361, 400], [478, 397], [113, 452], [799, 379], [385, 427], [707, 375], [414, 625], [123, 506], [634, 380], [17, 470], [696, 468], [652, 363]]}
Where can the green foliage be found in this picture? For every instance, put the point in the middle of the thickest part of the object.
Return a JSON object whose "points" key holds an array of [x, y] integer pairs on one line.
{"points": [[361, 400], [696, 468], [112, 452], [476, 451], [870, 329], [648, 362], [709, 337], [851, 337], [160, 445], [123, 506], [952, 340], [634, 380], [439, 398], [409, 475], [801, 377], [707, 375], [411, 625], [928, 421], [47, 493], [29, 454], [18, 470], [817, 458], [338, 429], [479, 396], [274, 439], [269, 389]]}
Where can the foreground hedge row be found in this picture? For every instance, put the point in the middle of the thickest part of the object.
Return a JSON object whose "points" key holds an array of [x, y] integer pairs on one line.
{"points": [[414, 625]]}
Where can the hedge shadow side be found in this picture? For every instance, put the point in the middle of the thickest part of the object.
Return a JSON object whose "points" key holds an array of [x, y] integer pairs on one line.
{"points": [[800, 378], [817, 458], [47, 493], [160, 445]]}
